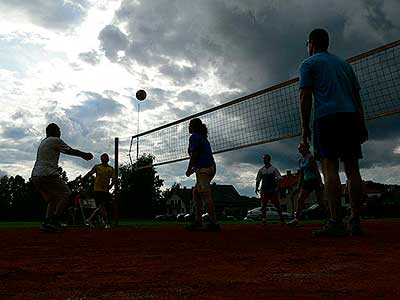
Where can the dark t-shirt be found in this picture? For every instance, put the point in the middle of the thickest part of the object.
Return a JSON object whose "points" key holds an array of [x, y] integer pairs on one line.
{"points": [[199, 144]]}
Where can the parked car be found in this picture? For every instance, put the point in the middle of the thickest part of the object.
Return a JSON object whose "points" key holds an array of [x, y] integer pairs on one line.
{"points": [[272, 214], [313, 212], [228, 218], [180, 217], [205, 217], [189, 217], [164, 218]]}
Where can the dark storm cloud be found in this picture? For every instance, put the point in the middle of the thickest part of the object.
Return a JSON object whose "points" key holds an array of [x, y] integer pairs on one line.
{"points": [[179, 74], [193, 96], [15, 133], [384, 138], [250, 44], [377, 17], [95, 107], [89, 126], [90, 57], [112, 41], [52, 14], [17, 141]]}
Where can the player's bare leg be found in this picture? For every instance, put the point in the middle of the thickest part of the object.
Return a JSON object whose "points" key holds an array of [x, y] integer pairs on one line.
{"points": [[355, 193]]}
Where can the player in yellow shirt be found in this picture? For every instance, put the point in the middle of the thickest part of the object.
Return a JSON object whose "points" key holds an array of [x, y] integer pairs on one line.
{"points": [[104, 181]]}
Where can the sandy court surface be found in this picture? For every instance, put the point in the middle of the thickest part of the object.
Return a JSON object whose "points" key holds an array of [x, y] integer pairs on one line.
{"points": [[240, 262]]}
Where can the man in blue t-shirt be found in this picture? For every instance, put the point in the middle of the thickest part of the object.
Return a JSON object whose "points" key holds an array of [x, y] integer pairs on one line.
{"points": [[339, 126]]}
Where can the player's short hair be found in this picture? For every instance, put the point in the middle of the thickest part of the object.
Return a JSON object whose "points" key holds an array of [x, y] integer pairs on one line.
{"points": [[52, 129], [267, 156], [320, 38]]}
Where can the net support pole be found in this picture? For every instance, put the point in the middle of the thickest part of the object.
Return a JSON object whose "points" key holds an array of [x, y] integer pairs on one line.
{"points": [[116, 192], [138, 124]]}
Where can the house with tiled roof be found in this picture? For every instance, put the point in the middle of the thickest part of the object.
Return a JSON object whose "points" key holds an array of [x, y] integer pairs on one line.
{"points": [[289, 192], [226, 199], [180, 201]]}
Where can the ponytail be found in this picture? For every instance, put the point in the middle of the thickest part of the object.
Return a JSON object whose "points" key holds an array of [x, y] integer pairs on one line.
{"points": [[203, 130], [199, 127]]}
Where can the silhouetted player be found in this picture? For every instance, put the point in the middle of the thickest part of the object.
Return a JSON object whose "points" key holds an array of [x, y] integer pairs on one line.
{"points": [[269, 177], [309, 181], [47, 180], [203, 164], [339, 127], [104, 181]]}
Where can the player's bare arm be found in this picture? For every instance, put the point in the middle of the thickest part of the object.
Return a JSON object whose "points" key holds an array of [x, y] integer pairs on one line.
{"points": [[305, 110], [194, 156], [90, 173], [316, 170], [81, 154], [258, 180], [360, 108], [301, 179]]}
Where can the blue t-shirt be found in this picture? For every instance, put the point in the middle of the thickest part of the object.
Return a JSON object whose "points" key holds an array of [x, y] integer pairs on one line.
{"points": [[199, 144], [306, 166], [333, 82]]}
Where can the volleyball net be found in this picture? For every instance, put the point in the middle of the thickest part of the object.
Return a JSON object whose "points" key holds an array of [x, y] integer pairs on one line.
{"points": [[272, 114]]}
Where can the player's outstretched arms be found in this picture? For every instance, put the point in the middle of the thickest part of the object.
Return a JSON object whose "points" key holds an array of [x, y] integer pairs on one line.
{"points": [[76, 152]]}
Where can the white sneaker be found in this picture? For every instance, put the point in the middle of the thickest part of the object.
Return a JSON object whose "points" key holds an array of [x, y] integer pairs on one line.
{"points": [[89, 223], [107, 226]]}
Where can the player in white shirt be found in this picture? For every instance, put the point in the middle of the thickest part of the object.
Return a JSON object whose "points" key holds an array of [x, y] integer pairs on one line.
{"points": [[47, 180], [270, 178]]}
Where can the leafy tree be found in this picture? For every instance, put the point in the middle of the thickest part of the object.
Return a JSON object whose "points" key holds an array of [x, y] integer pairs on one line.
{"points": [[5, 205], [140, 189], [63, 174], [19, 200]]}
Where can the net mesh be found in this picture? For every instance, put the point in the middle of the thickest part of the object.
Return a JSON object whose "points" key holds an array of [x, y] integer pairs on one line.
{"points": [[273, 114]]}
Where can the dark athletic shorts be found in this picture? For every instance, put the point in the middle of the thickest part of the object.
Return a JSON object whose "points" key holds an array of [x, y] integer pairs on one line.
{"points": [[102, 198], [266, 196], [312, 185], [337, 136]]}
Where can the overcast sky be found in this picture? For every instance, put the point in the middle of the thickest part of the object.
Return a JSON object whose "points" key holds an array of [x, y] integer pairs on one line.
{"points": [[79, 63]]}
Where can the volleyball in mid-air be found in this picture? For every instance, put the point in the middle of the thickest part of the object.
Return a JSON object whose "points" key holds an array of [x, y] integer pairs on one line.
{"points": [[141, 95]]}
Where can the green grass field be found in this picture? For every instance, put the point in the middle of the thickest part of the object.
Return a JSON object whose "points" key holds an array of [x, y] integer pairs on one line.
{"points": [[154, 223], [122, 222]]}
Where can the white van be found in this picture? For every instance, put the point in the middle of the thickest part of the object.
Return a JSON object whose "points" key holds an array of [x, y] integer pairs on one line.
{"points": [[272, 214]]}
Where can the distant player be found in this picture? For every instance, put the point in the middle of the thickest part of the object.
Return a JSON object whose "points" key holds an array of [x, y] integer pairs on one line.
{"points": [[339, 127], [104, 181], [47, 180], [269, 177], [203, 164], [309, 181]]}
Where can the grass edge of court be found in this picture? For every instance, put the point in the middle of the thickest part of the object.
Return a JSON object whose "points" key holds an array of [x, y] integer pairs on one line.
{"points": [[154, 223]]}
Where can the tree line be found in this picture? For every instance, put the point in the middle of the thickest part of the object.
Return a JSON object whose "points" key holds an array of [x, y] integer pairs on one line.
{"points": [[140, 194]]}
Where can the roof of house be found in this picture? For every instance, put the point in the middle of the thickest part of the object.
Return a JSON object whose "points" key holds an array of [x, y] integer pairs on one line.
{"points": [[222, 193], [289, 180]]}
